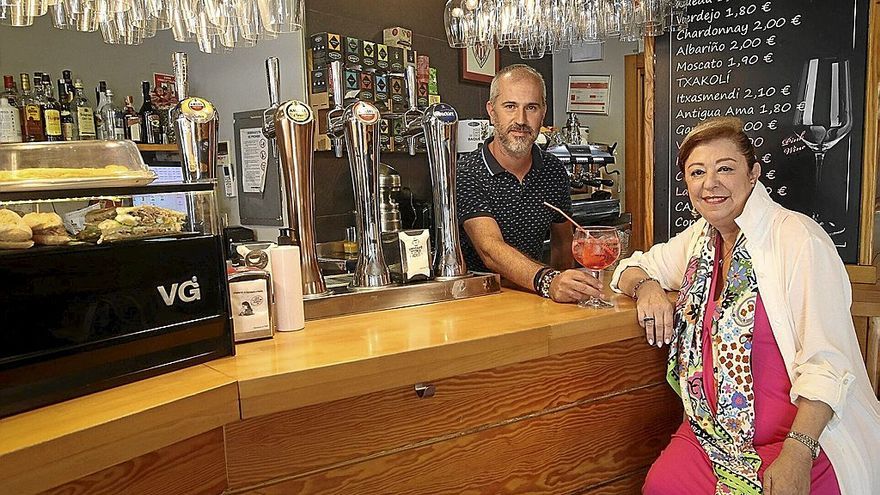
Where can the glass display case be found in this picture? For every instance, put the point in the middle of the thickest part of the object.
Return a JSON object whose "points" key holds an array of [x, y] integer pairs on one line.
{"points": [[105, 282]]}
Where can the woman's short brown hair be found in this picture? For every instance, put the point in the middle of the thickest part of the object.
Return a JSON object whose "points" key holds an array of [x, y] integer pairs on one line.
{"points": [[717, 128]]}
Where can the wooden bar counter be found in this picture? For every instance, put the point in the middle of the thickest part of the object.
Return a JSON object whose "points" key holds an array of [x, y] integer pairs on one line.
{"points": [[517, 395]]}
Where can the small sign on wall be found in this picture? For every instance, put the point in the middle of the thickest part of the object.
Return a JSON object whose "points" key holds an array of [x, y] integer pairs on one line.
{"points": [[589, 94]]}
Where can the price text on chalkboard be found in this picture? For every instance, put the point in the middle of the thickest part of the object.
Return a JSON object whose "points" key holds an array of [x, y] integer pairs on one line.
{"points": [[794, 72]]}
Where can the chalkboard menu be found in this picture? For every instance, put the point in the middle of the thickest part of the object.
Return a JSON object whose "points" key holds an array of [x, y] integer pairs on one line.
{"points": [[794, 72]]}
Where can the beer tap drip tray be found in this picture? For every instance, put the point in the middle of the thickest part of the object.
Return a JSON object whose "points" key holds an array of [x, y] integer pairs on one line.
{"points": [[345, 301]]}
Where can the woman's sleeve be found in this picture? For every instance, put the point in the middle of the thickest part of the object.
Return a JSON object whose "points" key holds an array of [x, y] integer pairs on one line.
{"points": [[826, 352], [665, 262]]}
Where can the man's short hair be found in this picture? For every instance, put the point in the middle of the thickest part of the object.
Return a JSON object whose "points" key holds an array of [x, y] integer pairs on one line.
{"points": [[517, 71]]}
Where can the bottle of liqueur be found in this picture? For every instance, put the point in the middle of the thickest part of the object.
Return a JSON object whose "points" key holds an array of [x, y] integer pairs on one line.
{"points": [[30, 112], [10, 92], [10, 121], [85, 115], [100, 101], [51, 111], [10, 115], [151, 132], [133, 122], [112, 118], [68, 124]]}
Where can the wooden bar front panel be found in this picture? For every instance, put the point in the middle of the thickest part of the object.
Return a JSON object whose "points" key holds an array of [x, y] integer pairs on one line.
{"points": [[477, 414]]}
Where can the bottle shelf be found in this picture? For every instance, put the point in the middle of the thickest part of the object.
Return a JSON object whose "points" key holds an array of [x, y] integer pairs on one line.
{"points": [[171, 148]]}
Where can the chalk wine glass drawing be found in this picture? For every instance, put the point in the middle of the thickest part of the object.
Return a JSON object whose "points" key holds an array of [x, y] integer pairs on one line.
{"points": [[823, 117]]}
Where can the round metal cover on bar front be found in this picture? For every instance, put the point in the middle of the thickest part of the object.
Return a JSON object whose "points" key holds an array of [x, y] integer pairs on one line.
{"points": [[298, 112], [197, 109], [366, 113]]}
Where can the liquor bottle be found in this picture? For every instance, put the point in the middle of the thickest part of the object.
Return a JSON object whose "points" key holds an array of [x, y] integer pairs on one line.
{"points": [[10, 92], [31, 114], [10, 122], [151, 132], [51, 111], [85, 115], [68, 124], [133, 122], [112, 118], [100, 101]]}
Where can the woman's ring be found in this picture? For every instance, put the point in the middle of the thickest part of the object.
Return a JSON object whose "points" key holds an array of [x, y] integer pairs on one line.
{"points": [[647, 319]]}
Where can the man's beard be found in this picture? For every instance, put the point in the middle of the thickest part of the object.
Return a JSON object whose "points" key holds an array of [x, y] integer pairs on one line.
{"points": [[514, 145]]}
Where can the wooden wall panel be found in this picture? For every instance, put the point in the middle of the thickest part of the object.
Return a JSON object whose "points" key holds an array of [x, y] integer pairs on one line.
{"points": [[564, 451], [194, 467], [294, 442], [629, 484]]}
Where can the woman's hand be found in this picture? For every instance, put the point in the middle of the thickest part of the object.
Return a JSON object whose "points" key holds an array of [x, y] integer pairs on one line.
{"points": [[790, 472], [655, 313]]}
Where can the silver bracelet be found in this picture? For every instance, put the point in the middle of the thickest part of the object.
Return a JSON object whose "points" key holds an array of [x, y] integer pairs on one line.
{"points": [[808, 441]]}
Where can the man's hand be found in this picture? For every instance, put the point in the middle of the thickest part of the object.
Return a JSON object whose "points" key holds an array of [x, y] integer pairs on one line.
{"points": [[574, 286], [790, 472]]}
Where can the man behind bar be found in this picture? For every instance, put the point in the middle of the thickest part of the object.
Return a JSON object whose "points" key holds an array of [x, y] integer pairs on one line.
{"points": [[500, 191]]}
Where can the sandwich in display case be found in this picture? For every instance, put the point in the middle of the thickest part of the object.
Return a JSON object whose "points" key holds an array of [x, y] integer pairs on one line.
{"points": [[107, 278]]}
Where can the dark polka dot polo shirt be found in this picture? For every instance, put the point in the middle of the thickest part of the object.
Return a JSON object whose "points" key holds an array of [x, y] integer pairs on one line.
{"points": [[483, 188]]}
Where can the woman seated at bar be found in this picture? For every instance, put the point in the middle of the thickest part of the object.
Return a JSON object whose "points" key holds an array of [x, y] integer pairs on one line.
{"points": [[763, 352]]}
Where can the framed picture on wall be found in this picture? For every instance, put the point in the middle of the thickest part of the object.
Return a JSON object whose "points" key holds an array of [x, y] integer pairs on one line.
{"points": [[589, 94], [479, 64]]}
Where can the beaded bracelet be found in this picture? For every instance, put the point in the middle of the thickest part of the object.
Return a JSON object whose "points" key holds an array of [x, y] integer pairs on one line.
{"points": [[635, 291], [536, 281], [546, 280]]}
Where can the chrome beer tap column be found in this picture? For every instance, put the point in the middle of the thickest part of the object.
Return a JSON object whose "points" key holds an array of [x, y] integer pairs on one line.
{"points": [[195, 120], [360, 126], [293, 125], [439, 124]]}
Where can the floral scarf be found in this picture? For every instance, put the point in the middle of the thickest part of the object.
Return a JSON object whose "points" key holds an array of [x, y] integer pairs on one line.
{"points": [[727, 435]]}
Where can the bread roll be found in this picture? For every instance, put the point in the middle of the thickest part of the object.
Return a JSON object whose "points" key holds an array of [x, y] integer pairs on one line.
{"points": [[13, 228]]}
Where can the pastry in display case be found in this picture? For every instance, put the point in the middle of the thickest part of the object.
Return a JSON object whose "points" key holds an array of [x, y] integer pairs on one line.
{"points": [[107, 279]]}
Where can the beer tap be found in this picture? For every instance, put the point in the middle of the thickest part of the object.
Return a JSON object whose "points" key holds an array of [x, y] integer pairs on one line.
{"points": [[273, 81], [413, 116], [439, 124], [334, 116], [359, 125], [196, 122], [292, 127]]}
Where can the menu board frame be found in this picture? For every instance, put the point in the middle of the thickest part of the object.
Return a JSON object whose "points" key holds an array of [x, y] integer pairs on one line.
{"points": [[870, 155]]}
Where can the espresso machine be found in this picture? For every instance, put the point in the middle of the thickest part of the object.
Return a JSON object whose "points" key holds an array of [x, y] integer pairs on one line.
{"points": [[439, 125], [291, 126]]}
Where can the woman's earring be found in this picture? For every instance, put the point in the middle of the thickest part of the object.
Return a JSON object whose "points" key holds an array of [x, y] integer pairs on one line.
{"points": [[694, 213]]}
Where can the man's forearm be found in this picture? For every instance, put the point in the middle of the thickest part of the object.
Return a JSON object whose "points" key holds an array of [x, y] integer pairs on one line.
{"points": [[511, 264]]}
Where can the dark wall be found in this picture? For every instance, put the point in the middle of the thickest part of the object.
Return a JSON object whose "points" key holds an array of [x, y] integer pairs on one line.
{"points": [[366, 20]]}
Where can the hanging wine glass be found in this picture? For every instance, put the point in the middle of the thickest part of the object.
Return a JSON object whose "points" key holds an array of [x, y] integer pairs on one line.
{"points": [[823, 117]]}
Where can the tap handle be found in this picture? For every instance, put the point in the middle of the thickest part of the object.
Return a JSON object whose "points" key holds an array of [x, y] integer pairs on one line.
{"points": [[411, 87], [178, 62], [273, 81], [336, 84]]}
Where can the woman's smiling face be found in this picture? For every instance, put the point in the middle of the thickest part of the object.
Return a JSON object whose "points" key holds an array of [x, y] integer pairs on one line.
{"points": [[719, 181]]}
